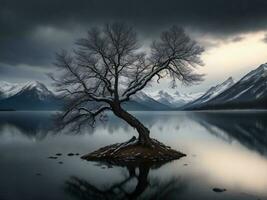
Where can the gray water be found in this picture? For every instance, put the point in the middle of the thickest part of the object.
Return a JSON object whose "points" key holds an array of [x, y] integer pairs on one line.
{"points": [[226, 149]]}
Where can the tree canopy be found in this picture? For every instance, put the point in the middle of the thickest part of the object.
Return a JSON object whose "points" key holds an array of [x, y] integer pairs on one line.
{"points": [[110, 65]]}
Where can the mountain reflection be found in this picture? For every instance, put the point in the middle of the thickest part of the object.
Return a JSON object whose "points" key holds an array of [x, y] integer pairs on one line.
{"points": [[250, 129], [38, 124], [30, 124], [247, 127], [145, 188]]}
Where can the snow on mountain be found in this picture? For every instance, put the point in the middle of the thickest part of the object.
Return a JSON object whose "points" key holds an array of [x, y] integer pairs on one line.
{"points": [[10, 89], [27, 96], [218, 89], [211, 93], [149, 102], [255, 75], [188, 97], [38, 88], [176, 99], [252, 86], [249, 92]]}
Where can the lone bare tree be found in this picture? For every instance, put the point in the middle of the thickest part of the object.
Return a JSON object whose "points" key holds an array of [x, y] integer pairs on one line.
{"points": [[109, 66]]}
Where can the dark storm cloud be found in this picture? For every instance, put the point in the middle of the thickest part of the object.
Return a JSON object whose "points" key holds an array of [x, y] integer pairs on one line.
{"points": [[22, 22], [23, 74]]}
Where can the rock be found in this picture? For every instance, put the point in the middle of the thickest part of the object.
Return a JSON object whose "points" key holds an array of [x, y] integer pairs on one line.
{"points": [[70, 154], [77, 154], [52, 157], [59, 154], [219, 190]]}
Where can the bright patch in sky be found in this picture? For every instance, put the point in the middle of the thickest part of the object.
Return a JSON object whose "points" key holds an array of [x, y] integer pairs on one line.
{"points": [[235, 58], [226, 58]]}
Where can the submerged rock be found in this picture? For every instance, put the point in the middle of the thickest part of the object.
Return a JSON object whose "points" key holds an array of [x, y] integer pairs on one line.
{"points": [[52, 157], [70, 154], [59, 154], [219, 190]]}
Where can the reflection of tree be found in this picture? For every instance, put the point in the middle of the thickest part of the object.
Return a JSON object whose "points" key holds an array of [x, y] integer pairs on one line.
{"points": [[165, 190], [250, 129], [144, 189]]}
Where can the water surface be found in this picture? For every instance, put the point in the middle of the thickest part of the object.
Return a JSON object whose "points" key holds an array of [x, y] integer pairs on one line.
{"points": [[226, 149]]}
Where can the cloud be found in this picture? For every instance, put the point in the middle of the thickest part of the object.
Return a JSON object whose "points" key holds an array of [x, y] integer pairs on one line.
{"points": [[23, 73], [265, 38], [237, 39], [31, 31], [37, 47]]}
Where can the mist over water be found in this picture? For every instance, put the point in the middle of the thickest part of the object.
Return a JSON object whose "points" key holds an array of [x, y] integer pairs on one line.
{"points": [[226, 149]]}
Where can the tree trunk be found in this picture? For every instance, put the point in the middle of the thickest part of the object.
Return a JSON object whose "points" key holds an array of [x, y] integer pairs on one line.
{"points": [[143, 131]]}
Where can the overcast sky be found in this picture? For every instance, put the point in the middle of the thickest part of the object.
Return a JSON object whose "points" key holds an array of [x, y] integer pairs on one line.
{"points": [[233, 32]]}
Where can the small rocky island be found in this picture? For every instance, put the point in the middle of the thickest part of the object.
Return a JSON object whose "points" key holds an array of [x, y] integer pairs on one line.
{"points": [[132, 152]]}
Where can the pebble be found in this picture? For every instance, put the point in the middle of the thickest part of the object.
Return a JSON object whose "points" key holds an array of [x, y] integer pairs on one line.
{"points": [[219, 190], [52, 157]]}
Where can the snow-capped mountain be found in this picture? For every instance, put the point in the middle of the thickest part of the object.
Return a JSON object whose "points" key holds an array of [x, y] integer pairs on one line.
{"points": [[211, 93], [8, 89], [252, 87], [27, 96], [35, 96], [142, 101], [38, 89], [249, 92], [176, 99]]}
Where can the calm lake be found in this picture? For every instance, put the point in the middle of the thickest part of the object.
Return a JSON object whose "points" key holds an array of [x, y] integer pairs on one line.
{"points": [[226, 149]]}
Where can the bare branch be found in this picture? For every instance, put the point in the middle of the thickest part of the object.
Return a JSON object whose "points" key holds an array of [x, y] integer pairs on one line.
{"points": [[109, 66]]}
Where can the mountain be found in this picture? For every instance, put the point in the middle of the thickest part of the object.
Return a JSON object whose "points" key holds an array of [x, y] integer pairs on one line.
{"points": [[142, 101], [210, 94], [8, 89], [30, 96], [174, 100], [35, 96], [250, 92]]}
